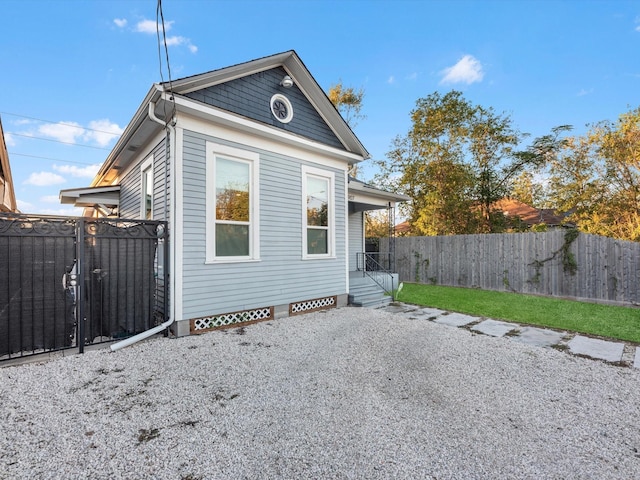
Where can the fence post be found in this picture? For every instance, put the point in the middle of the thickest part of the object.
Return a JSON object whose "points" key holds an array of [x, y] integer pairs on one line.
{"points": [[80, 304]]}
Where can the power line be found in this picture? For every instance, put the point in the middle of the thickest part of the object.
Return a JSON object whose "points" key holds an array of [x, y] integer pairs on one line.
{"points": [[58, 141], [49, 158], [160, 21], [59, 123]]}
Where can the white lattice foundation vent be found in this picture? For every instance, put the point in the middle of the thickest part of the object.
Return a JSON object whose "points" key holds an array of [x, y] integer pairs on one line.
{"points": [[204, 324], [312, 305]]}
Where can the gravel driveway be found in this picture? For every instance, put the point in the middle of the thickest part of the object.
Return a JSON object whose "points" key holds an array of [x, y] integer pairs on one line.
{"points": [[348, 393]]}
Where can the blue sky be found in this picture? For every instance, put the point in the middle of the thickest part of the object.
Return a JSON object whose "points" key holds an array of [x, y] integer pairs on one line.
{"points": [[88, 65]]}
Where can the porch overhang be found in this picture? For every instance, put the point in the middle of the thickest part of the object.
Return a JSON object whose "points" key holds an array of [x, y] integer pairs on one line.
{"points": [[363, 197], [103, 199]]}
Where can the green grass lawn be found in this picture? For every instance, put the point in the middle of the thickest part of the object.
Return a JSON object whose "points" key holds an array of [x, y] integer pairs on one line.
{"points": [[622, 323]]}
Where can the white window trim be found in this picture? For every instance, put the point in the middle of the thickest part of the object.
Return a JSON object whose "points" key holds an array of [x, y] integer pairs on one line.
{"points": [[214, 150], [331, 237], [144, 166]]}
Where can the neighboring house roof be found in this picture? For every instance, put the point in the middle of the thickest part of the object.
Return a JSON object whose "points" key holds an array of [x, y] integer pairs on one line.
{"points": [[404, 227], [528, 214], [512, 208], [363, 196], [162, 98], [7, 193]]}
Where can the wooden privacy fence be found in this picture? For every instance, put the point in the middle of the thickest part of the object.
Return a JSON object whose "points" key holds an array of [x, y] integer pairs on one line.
{"points": [[560, 262]]}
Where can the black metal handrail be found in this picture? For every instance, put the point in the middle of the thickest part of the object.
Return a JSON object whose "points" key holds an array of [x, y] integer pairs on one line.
{"points": [[376, 265]]}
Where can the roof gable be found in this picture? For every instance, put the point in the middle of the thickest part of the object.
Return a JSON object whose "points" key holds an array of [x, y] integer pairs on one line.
{"points": [[254, 82], [330, 132], [250, 96]]}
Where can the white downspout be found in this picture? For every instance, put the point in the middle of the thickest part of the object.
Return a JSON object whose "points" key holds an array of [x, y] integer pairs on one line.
{"points": [[147, 333]]}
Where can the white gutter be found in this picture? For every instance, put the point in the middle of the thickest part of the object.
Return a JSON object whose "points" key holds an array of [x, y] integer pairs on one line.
{"points": [[147, 333]]}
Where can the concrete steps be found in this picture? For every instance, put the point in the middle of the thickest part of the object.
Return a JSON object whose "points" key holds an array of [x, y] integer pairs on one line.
{"points": [[364, 292]]}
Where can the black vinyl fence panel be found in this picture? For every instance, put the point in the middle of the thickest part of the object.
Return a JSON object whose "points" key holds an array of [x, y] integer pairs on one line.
{"points": [[67, 282]]}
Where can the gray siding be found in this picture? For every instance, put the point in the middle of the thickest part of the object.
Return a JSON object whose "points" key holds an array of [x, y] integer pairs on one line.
{"points": [[281, 276], [356, 238], [250, 97], [130, 187]]}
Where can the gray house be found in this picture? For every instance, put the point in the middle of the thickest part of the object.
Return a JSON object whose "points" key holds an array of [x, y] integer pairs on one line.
{"points": [[248, 164]]}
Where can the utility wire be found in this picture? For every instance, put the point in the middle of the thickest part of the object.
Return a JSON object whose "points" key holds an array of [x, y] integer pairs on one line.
{"points": [[58, 141], [160, 21], [49, 158], [58, 123]]}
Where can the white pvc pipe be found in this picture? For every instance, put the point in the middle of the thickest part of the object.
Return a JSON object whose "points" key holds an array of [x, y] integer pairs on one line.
{"points": [[147, 333], [141, 336]]}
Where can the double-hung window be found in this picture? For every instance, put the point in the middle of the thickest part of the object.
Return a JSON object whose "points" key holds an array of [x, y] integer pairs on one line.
{"points": [[146, 208], [232, 204], [318, 206]]}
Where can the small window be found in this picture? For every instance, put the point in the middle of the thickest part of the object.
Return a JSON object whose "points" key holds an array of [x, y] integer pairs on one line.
{"points": [[318, 213], [232, 204], [146, 210]]}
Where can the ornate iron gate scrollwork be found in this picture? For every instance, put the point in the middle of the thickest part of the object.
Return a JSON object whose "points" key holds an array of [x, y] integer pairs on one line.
{"points": [[66, 282]]}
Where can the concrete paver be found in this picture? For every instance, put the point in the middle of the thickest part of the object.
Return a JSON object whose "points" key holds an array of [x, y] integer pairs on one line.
{"points": [[610, 351], [539, 337], [595, 348], [425, 313], [494, 328], [455, 319]]}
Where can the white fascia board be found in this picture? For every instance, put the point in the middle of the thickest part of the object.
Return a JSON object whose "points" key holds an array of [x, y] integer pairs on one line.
{"points": [[294, 67], [358, 188], [229, 126], [318, 98], [369, 200], [215, 77], [90, 196], [140, 155], [138, 119]]}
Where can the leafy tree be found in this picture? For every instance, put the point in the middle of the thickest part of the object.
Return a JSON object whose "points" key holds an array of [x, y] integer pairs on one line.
{"points": [[524, 189], [596, 178], [348, 101], [457, 160], [376, 223]]}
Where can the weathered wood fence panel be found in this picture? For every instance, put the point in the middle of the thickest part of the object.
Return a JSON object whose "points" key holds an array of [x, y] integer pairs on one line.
{"points": [[606, 269]]}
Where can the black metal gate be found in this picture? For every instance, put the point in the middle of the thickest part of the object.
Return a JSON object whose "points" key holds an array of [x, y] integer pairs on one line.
{"points": [[68, 282]]}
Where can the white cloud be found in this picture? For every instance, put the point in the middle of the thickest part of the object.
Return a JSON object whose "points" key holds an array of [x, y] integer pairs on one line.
{"points": [[24, 206], [468, 70], [177, 40], [151, 27], [637, 29], [86, 172], [391, 80], [67, 132], [120, 22], [9, 140], [412, 76], [44, 179], [103, 132], [584, 92]]}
